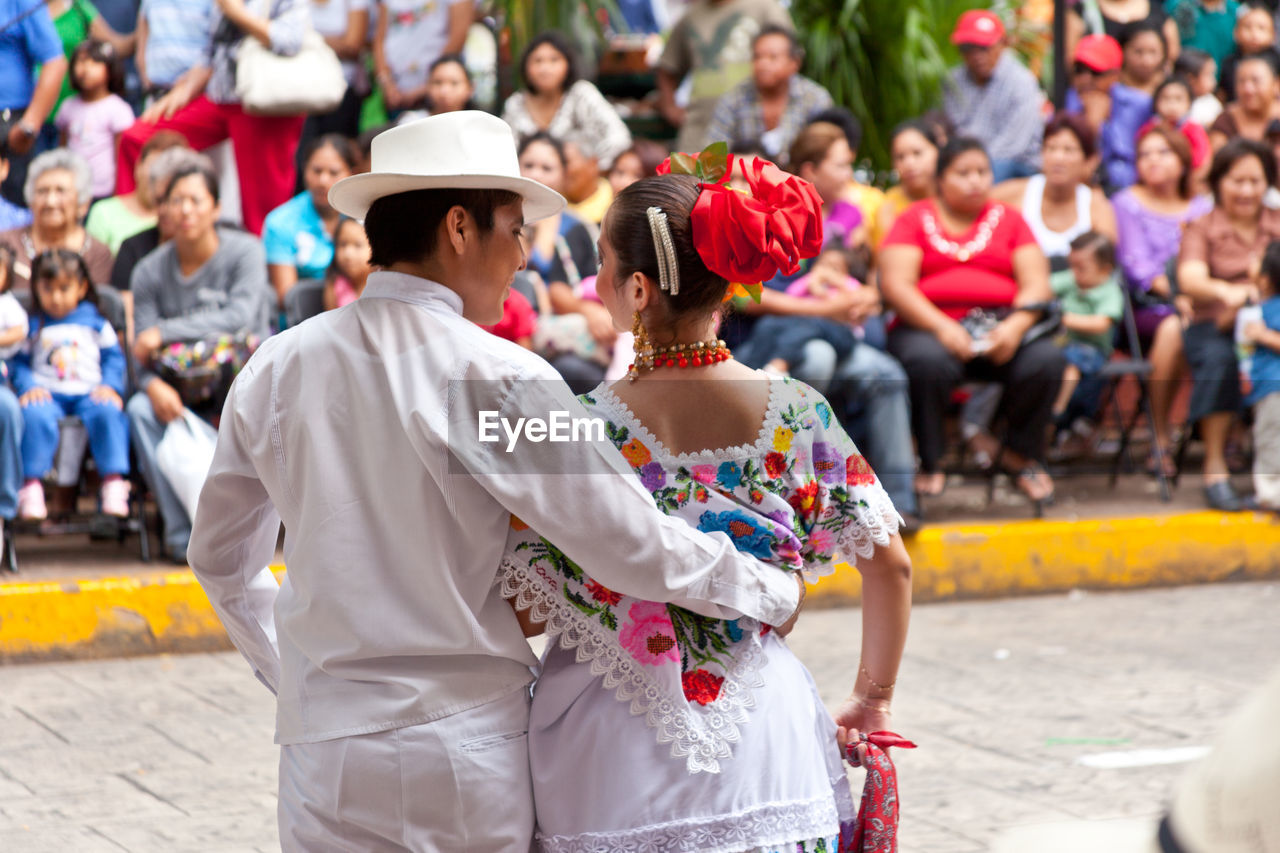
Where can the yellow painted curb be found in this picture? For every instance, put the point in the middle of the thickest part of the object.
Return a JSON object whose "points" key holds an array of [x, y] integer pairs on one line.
{"points": [[167, 611], [1033, 557]]}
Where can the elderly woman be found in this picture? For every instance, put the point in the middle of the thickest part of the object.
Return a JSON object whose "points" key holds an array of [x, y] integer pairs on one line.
{"points": [[555, 100], [1220, 255], [203, 107], [58, 193], [298, 235], [1150, 218], [1059, 204], [116, 219], [205, 281], [945, 258], [1255, 106]]}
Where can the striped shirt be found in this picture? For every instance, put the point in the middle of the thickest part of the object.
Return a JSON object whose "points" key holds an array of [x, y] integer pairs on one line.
{"points": [[1004, 114], [739, 117], [177, 32]]}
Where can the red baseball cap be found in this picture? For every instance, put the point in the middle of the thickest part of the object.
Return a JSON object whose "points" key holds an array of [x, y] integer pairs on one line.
{"points": [[1099, 52], [978, 26]]}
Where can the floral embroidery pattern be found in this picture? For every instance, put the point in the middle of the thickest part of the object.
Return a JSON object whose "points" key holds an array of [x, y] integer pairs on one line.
{"points": [[798, 497]]}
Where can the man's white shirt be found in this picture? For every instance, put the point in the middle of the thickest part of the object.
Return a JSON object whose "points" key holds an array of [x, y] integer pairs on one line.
{"points": [[389, 615]]}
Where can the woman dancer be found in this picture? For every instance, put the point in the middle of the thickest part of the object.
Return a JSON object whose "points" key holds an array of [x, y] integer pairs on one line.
{"points": [[653, 728]]}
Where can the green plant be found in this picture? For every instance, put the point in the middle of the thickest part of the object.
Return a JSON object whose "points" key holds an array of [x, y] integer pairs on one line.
{"points": [[883, 59], [583, 21]]}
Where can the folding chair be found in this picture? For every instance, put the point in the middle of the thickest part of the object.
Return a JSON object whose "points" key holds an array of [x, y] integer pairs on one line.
{"points": [[304, 300], [1114, 371]]}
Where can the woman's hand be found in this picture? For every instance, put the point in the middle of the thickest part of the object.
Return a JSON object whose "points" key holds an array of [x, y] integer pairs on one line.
{"points": [[106, 394], [859, 715], [1160, 286], [165, 401], [956, 339], [172, 101], [34, 396], [1004, 340], [392, 95]]}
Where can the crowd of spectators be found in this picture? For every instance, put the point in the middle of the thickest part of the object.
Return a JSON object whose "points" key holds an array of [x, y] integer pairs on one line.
{"points": [[999, 262]]}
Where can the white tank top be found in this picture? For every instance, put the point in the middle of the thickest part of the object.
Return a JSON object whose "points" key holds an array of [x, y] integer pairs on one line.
{"points": [[1055, 244]]}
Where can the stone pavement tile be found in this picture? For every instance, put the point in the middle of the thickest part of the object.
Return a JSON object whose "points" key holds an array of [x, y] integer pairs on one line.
{"points": [[237, 784], [918, 834], [205, 832], [57, 840], [110, 797]]}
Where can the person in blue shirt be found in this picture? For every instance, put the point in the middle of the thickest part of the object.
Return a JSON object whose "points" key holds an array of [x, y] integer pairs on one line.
{"points": [[71, 363], [298, 235], [1264, 376], [11, 215], [30, 41]]}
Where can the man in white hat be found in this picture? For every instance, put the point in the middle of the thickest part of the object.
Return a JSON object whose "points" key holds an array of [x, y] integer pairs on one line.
{"points": [[401, 675]]}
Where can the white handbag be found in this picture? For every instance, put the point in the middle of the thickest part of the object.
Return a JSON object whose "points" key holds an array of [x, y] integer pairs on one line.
{"points": [[184, 455], [309, 82]]}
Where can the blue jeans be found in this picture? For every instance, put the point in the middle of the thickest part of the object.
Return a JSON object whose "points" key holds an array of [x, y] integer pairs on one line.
{"points": [[106, 426], [869, 388], [147, 431], [1087, 396], [10, 452]]}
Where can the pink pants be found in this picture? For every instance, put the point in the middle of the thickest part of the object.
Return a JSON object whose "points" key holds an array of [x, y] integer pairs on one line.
{"points": [[264, 147]]}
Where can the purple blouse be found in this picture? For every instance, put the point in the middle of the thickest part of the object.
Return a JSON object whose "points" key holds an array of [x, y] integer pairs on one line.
{"points": [[1146, 240]]}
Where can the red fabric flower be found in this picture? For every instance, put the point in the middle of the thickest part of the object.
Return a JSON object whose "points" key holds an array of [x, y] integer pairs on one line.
{"points": [[751, 238], [804, 499], [603, 594], [857, 471], [775, 465], [701, 686]]}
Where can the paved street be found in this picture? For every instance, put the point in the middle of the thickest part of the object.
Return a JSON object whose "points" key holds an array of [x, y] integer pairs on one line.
{"points": [[174, 753]]}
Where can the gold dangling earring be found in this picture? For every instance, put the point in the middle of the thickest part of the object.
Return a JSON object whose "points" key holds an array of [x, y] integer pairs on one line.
{"points": [[643, 349]]}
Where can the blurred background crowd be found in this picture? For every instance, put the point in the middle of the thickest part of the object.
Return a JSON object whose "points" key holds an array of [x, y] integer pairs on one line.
{"points": [[996, 265]]}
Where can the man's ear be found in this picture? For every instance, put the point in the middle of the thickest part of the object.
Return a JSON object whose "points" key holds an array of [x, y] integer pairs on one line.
{"points": [[457, 227]]}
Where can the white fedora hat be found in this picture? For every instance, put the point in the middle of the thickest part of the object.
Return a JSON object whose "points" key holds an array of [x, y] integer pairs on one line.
{"points": [[1227, 803], [468, 149]]}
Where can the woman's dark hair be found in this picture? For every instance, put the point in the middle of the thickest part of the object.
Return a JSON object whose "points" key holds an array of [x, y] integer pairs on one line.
{"points": [[456, 59], [543, 136], [403, 226], [187, 170], [344, 147], [6, 268], [1265, 58], [813, 144], [1191, 61], [99, 51], [1138, 29], [1271, 266], [844, 120], [1063, 121], [1233, 152], [1181, 149], [1104, 251], [956, 147], [918, 125], [561, 44], [629, 235], [162, 140], [649, 152], [53, 264]]}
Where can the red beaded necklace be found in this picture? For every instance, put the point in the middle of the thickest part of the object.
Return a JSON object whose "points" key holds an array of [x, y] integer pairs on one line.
{"points": [[679, 355]]}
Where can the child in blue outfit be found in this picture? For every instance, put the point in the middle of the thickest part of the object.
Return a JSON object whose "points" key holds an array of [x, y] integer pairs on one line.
{"points": [[1264, 375], [71, 363]]}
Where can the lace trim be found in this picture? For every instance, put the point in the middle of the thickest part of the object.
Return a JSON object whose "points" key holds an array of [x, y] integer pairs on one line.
{"points": [[766, 826], [875, 525], [762, 443], [701, 736]]}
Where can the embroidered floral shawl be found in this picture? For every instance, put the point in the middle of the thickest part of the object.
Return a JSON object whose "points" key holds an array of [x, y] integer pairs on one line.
{"points": [[797, 497]]}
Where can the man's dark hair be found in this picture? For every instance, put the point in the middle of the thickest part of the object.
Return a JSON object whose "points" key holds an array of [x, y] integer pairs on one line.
{"points": [[402, 227], [794, 47]]}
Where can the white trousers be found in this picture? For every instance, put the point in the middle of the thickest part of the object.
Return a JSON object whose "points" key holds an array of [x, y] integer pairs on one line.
{"points": [[457, 785]]}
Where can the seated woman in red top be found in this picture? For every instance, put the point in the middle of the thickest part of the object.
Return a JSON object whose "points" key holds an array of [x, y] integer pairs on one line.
{"points": [[945, 257]]}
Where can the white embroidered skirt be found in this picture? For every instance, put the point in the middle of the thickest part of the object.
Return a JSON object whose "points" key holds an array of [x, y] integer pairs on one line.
{"points": [[602, 782]]}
